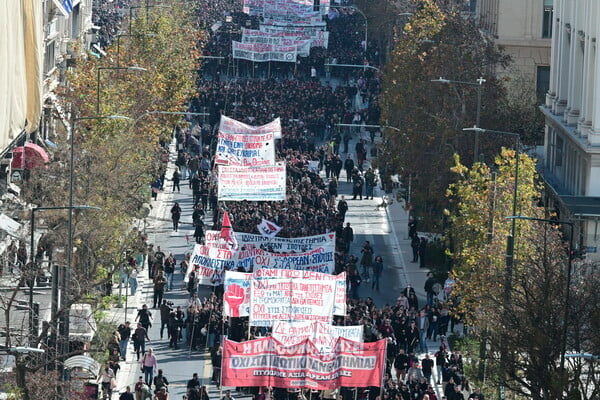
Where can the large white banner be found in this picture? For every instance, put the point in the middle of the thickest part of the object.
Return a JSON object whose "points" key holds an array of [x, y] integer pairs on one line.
{"points": [[237, 288], [290, 300], [252, 184], [316, 260], [235, 127], [277, 244], [318, 39], [259, 52], [206, 260], [321, 334], [236, 147]]}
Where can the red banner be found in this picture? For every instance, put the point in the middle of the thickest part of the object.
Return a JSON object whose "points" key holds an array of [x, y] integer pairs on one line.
{"points": [[267, 362]]}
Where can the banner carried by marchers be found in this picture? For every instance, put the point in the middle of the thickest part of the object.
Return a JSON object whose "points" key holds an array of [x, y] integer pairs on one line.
{"points": [[243, 149], [278, 244], [324, 336], [234, 127], [266, 362], [252, 184], [290, 300], [238, 286]]}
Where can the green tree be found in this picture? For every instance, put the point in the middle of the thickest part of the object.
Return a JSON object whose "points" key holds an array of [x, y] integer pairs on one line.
{"points": [[436, 41], [522, 324]]}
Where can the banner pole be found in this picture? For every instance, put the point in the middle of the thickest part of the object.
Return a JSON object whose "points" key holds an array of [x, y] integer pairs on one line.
{"points": [[220, 381], [355, 393], [383, 370]]}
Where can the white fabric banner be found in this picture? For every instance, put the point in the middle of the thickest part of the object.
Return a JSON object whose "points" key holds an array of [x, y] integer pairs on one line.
{"points": [[236, 146], [321, 334], [290, 300], [237, 288], [278, 244], [235, 127], [252, 184], [260, 52]]}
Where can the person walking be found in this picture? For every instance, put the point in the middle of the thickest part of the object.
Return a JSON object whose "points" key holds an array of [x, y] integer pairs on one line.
{"points": [[377, 270], [108, 382], [144, 316], [348, 236], [349, 167], [133, 281], [125, 333], [170, 264], [414, 244], [423, 325], [370, 182], [342, 208], [165, 312], [160, 382], [159, 289], [422, 252], [175, 178], [367, 259], [140, 335], [126, 395], [149, 364], [176, 216]]}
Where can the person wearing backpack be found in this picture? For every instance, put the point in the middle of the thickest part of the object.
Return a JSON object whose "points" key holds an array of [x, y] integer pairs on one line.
{"points": [[160, 381]]}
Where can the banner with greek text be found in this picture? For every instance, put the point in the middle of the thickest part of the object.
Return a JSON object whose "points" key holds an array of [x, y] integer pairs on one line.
{"points": [[317, 260], [237, 288], [321, 334], [234, 127], [235, 146], [277, 244], [290, 300], [252, 184], [263, 52], [266, 362]]}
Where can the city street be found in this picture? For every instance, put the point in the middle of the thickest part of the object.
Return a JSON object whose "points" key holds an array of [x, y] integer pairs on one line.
{"points": [[385, 229]]}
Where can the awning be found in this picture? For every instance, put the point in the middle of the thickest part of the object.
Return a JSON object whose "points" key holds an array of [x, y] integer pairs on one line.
{"points": [[10, 226], [85, 363], [582, 206], [35, 156]]}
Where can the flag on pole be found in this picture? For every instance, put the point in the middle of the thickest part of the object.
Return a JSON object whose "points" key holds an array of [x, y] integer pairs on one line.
{"points": [[268, 228], [227, 232]]}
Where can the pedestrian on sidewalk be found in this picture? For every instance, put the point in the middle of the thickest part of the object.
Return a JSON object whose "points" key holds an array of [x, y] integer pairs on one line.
{"points": [[108, 382], [427, 367], [357, 184], [125, 333], [348, 236], [175, 178], [160, 382], [140, 335], [349, 167], [159, 289], [133, 282], [162, 394], [149, 364], [367, 259], [126, 395], [175, 216], [422, 252], [370, 182], [414, 244], [170, 264], [342, 208], [428, 287], [412, 227], [165, 312], [144, 316], [377, 270]]}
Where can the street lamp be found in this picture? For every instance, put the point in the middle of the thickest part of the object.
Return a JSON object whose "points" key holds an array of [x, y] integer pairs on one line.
{"points": [[54, 311], [571, 225], [479, 85], [133, 68]]}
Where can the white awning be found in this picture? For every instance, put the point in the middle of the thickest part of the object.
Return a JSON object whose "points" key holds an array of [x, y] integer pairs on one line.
{"points": [[10, 226]]}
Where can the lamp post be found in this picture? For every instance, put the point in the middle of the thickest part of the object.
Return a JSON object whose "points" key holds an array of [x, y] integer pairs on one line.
{"points": [[133, 68], [571, 225], [478, 84], [32, 329]]}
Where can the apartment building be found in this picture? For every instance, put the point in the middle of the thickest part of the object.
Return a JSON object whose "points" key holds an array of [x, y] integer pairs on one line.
{"points": [[571, 161], [524, 29]]}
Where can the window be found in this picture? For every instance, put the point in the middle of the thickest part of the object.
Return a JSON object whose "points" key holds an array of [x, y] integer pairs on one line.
{"points": [[547, 19], [542, 82], [558, 154], [317, 5], [49, 62]]}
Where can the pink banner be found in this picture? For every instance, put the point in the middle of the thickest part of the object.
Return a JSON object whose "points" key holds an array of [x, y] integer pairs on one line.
{"points": [[266, 362]]}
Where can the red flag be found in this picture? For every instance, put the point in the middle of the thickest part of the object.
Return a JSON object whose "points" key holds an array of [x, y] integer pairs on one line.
{"points": [[227, 232]]}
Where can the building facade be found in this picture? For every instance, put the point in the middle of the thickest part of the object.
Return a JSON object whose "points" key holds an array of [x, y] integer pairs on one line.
{"points": [[523, 28], [571, 161]]}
